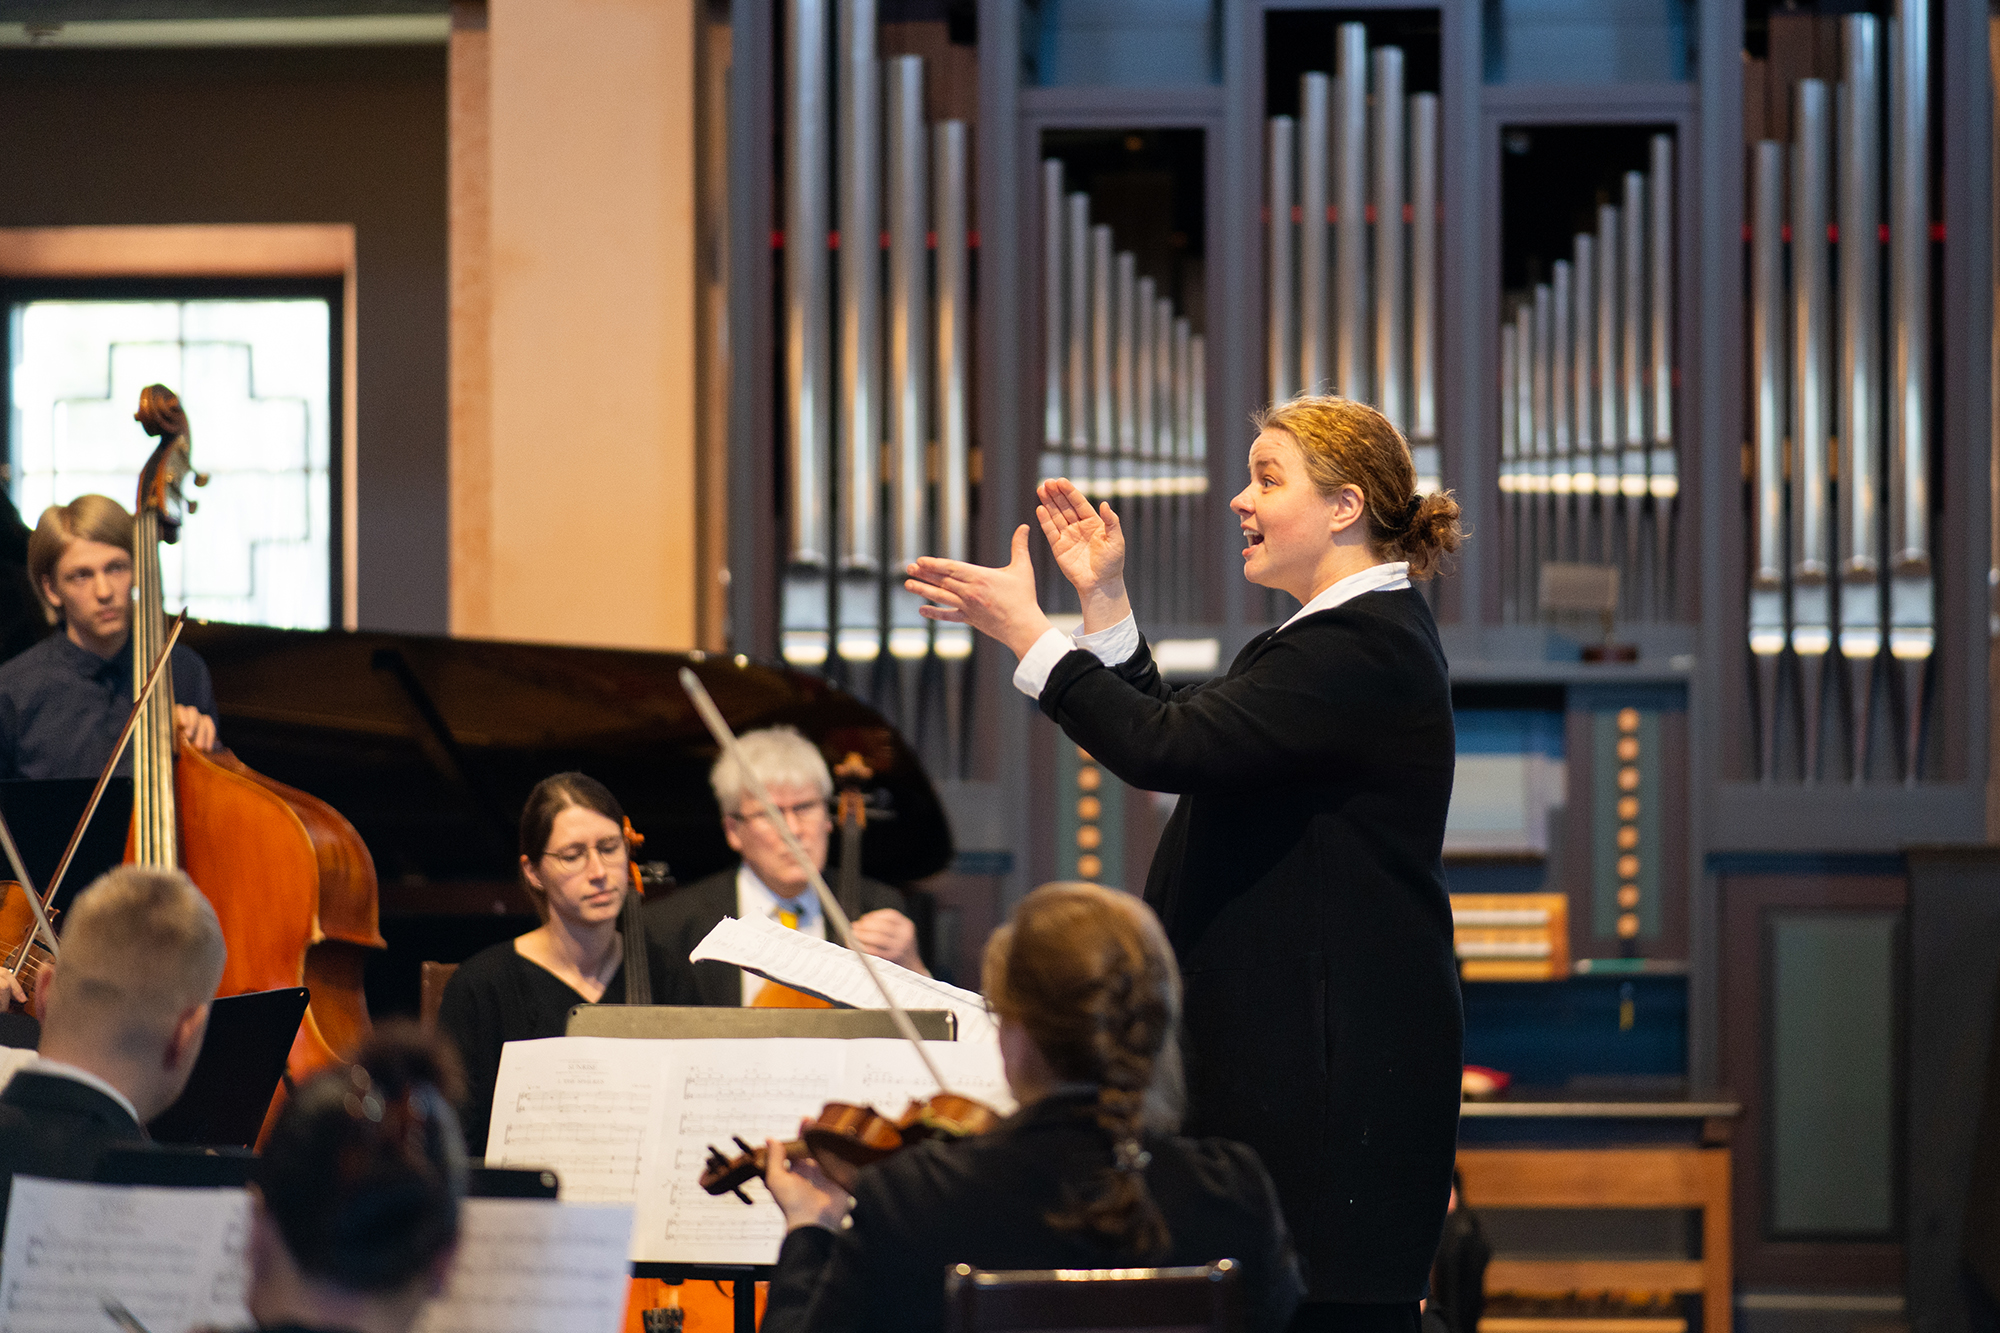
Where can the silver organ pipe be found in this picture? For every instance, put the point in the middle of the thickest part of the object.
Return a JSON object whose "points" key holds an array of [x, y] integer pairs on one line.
{"points": [[1812, 529], [1353, 244], [1632, 374], [1424, 290], [1079, 329], [1523, 573], [1510, 454], [1768, 630], [1144, 543], [1350, 251], [1315, 108], [1583, 391], [909, 342], [858, 634], [1282, 333], [1124, 340], [1849, 397], [951, 171], [1860, 159], [1054, 339], [1663, 480], [1562, 446], [808, 351], [1103, 440], [1912, 596], [1390, 281], [1610, 433], [1183, 397], [1542, 358], [1172, 503]]}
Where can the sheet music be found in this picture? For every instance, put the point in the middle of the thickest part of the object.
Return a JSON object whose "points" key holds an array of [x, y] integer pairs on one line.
{"points": [[705, 1092], [528, 1265], [828, 970], [580, 1106], [174, 1257]]}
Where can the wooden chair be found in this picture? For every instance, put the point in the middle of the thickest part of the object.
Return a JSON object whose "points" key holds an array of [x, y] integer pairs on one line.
{"points": [[435, 975], [1076, 1300]]}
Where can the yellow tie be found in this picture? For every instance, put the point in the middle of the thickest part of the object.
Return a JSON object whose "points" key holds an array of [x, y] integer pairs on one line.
{"points": [[790, 920]]}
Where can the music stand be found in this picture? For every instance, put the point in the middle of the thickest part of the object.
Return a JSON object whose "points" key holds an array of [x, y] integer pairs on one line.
{"points": [[42, 812], [509, 1182], [242, 1058], [671, 1021], [176, 1165]]}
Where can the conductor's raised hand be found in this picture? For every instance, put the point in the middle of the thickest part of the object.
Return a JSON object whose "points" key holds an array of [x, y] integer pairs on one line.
{"points": [[999, 603], [1088, 544]]}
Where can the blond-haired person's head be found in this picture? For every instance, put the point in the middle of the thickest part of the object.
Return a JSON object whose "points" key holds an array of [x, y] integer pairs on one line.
{"points": [[795, 774], [142, 954], [80, 563]]}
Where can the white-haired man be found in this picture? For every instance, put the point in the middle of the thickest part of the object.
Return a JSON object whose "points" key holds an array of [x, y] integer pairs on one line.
{"points": [[769, 882], [123, 1017]]}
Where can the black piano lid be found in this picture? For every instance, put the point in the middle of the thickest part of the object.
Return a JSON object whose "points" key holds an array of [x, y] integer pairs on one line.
{"points": [[430, 745]]}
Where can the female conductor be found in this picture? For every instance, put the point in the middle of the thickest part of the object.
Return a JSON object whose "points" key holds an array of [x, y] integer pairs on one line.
{"points": [[1300, 878], [1087, 1174]]}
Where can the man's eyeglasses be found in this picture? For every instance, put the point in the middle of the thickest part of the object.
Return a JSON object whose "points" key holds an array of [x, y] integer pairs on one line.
{"points": [[805, 812], [573, 856]]}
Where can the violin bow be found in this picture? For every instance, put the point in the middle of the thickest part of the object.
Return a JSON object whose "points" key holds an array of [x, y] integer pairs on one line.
{"points": [[97, 794], [712, 716]]}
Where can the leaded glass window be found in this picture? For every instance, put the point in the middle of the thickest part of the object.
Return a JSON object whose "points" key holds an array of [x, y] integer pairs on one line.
{"points": [[256, 377]]}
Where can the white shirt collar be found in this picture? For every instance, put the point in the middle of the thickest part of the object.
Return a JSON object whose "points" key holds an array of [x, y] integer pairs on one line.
{"points": [[1390, 577], [89, 1080]]}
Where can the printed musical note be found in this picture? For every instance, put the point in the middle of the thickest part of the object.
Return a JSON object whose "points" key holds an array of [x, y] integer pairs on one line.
{"points": [[173, 1257], [527, 1265]]}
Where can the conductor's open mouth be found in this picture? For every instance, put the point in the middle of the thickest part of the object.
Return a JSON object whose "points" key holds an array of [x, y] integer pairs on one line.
{"points": [[1253, 538]]}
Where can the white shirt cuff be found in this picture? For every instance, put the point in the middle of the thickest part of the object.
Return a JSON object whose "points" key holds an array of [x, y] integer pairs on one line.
{"points": [[1032, 676], [1113, 646], [1110, 646]]}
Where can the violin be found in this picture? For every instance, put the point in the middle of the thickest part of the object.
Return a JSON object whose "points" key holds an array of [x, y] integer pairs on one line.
{"points": [[844, 1138]]}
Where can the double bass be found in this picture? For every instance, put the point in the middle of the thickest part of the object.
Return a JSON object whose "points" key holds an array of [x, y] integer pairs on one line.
{"points": [[290, 879]]}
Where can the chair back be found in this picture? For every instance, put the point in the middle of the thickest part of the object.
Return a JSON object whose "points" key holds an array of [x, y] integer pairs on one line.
{"points": [[1202, 1299], [435, 977]]}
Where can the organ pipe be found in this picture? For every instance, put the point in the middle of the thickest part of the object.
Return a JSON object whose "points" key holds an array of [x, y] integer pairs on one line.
{"points": [[1583, 461], [909, 347], [1663, 481], [1610, 431], [1632, 372], [1315, 97], [1860, 375], [1812, 534], [1282, 311], [1912, 632], [1350, 275], [1054, 341], [1424, 290], [1767, 339], [808, 414], [1390, 281], [858, 620], [1104, 411], [1561, 451]]}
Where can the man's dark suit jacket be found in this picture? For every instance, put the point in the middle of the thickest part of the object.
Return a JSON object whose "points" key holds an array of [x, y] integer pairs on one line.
{"points": [[678, 921], [984, 1202], [57, 1128]]}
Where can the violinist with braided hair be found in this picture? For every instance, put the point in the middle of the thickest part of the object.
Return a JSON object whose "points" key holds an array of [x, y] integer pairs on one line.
{"points": [[1088, 1173]]}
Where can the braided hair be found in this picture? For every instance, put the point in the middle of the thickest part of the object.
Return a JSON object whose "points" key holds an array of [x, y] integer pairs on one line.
{"points": [[1346, 443], [365, 1168], [1087, 972]]}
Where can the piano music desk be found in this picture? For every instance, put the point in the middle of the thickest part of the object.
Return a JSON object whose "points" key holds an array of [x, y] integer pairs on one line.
{"points": [[1648, 1169]]}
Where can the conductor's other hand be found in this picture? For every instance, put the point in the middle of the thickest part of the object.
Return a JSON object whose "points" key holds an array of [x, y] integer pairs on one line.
{"points": [[999, 603], [196, 725], [803, 1193], [887, 933], [1088, 544]]}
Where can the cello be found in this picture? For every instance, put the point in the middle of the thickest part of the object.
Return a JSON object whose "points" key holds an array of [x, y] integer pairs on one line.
{"points": [[289, 878]]}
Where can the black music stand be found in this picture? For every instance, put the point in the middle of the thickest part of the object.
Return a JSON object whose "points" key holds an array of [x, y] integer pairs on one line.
{"points": [[176, 1165], [676, 1021], [509, 1182], [42, 813], [242, 1058]]}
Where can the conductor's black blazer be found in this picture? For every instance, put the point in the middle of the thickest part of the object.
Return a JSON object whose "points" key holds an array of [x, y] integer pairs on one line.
{"points": [[677, 921], [1302, 884], [981, 1202], [58, 1128]]}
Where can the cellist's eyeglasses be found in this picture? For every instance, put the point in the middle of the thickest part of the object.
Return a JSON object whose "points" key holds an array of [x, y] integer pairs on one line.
{"points": [[807, 813], [573, 856]]}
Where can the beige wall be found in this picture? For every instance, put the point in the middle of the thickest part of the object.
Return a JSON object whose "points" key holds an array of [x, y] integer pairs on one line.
{"points": [[574, 316]]}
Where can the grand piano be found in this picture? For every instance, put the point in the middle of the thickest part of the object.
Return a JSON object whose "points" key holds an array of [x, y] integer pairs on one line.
{"points": [[430, 745]]}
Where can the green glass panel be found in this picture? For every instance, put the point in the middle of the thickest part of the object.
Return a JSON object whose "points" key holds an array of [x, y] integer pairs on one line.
{"points": [[1832, 1003]]}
